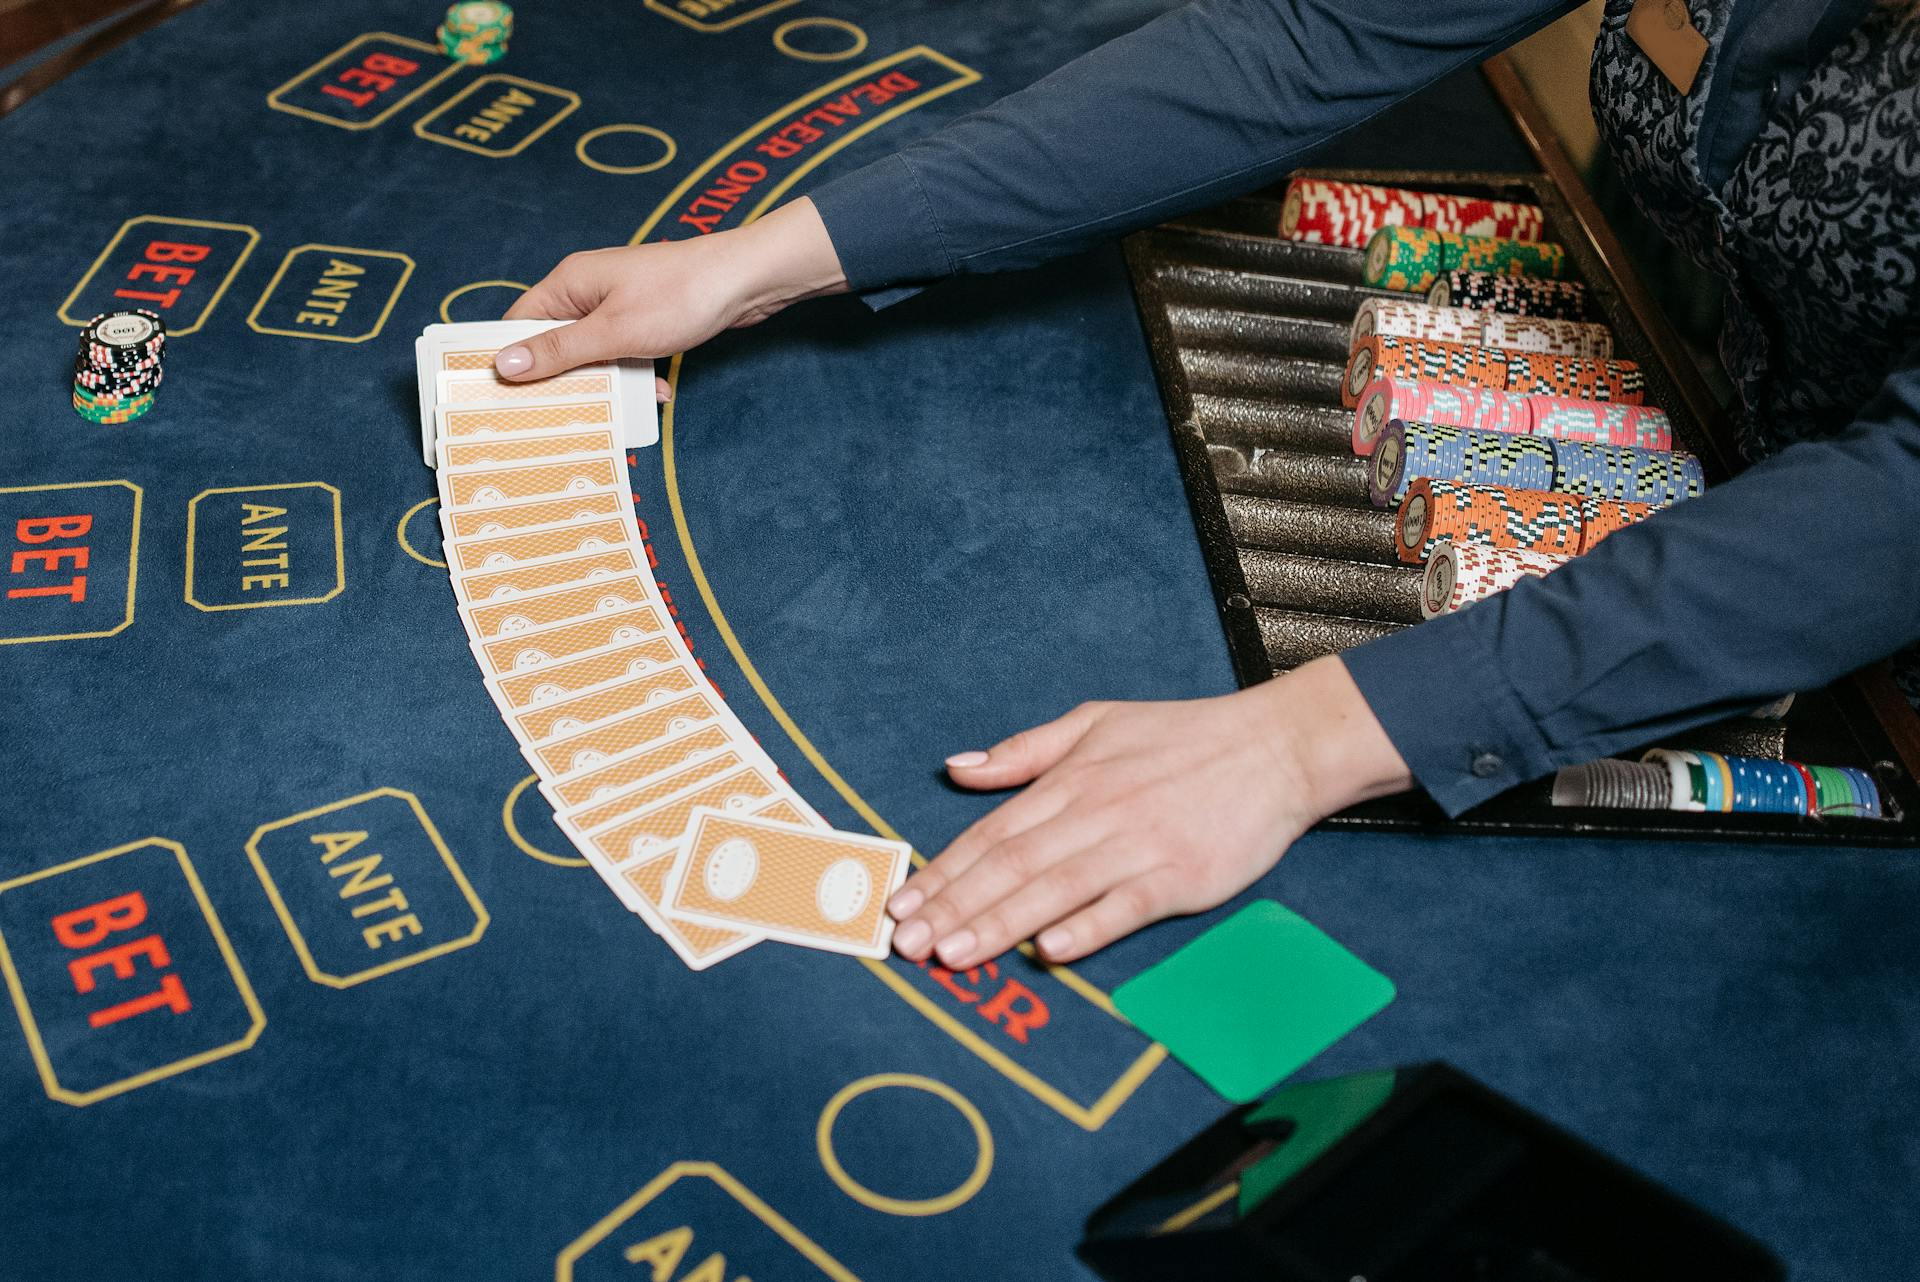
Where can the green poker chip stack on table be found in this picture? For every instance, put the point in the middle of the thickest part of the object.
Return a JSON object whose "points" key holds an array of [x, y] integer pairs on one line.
{"points": [[476, 32]]}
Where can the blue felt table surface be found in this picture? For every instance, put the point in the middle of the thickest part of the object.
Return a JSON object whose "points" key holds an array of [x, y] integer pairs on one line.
{"points": [[925, 528]]}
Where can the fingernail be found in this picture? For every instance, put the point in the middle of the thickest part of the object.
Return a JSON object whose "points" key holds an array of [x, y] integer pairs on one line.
{"points": [[514, 360], [662, 395], [1055, 940], [956, 950], [961, 760], [912, 937], [904, 903]]}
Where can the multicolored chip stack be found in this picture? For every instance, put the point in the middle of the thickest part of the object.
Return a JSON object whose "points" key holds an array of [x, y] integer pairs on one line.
{"points": [[1586, 378], [1409, 451], [1498, 516], [1545, 334], [1710, 781], [1424, 400], [1325, 211], [1602, 422], [1515, 295], [476, 32], [1387, 356], [1600, 517], [1659, 477], [118, 366], [1532, 373], [1458, 576], [1480, 329], [1492, 415], [1415, 258], [1406, 451]]}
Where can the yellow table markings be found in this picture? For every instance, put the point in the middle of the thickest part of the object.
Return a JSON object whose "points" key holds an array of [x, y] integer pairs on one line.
{"points": [[782, 39], [133, 558], [810, 1250], [387, 113], [519, 839], [406, 544], [975, 1181], [666, 157], [481, 917], [174, 330], [1088, 1116], [36, 1044], [568, 96], [386, 310], [668, 10], [446, 303], [963, 74], [339, 547]]}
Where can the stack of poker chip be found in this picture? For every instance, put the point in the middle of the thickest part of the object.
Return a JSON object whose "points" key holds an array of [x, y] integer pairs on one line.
{"points": [[1415, 258], [1504, 517], [1534, 373], [1678, 779], [1409, 449], [1458, 575], [118, 366], [1423, 400], [1328, 211], [1712, 781], [1478, 328], [476, 32], [1516, 295]]}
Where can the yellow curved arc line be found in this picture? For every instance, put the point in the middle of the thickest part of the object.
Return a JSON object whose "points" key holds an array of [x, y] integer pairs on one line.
{"points": [[671, 472], [447, 303], [518, 839], [406, 545], [1155, 1053]]}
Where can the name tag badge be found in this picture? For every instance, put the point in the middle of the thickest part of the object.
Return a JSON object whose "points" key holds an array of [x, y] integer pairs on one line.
{"points": [[1665, 32]]}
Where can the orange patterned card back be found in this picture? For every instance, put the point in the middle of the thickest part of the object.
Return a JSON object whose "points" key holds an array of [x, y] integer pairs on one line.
{"points": [[803, 885]]}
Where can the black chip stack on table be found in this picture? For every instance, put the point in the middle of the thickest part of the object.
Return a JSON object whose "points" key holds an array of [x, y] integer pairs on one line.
{"points": [[119, 366]]}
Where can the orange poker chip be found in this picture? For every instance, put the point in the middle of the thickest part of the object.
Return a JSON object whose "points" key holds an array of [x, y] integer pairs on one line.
{"points": [[1389, 356], [1486, 516], [1601, 517], [1586, 378]]}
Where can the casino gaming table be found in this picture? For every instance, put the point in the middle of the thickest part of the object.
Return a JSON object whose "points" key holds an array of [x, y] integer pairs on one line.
{"points": [[887, 536]]}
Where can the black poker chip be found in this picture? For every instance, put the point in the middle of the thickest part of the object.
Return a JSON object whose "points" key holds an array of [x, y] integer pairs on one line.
{"points": [[134, 339]]}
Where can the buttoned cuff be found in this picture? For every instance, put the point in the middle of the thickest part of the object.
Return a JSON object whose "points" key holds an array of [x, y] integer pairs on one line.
{"points": [[1440, 693], [884, 230]]}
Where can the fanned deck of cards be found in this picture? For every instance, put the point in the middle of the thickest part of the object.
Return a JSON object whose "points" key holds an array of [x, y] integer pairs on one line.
{"points": [[651, 777]]}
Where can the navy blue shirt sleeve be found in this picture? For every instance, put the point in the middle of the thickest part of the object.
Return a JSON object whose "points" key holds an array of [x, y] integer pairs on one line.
{"points": [[1789, 576], [1203, 103]]}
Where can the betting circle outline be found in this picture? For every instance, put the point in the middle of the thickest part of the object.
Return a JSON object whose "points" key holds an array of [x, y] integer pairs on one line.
{"points": [[580, 149], [446, 303], [784, 45], [959, 1196]]}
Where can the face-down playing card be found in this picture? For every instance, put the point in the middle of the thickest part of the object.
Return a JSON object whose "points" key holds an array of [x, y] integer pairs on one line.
{"points": [[819, 888]]}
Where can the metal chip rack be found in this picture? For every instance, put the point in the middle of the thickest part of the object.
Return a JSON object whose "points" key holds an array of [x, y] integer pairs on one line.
{"points": [[1248, 334]]}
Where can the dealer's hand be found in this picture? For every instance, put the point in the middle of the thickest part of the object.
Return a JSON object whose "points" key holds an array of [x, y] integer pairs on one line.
{"points": [[1140, 811], [657, 299]]}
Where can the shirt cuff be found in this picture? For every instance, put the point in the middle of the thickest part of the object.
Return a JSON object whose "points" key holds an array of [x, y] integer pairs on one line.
{"points": [[1441, 695], [883, 228]]}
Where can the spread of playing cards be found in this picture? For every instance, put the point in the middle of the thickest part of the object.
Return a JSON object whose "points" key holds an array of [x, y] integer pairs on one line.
{"points": [[651, 777]]}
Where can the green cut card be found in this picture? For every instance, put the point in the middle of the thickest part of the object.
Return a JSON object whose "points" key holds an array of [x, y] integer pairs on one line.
{"points": [[1253, 999]]}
